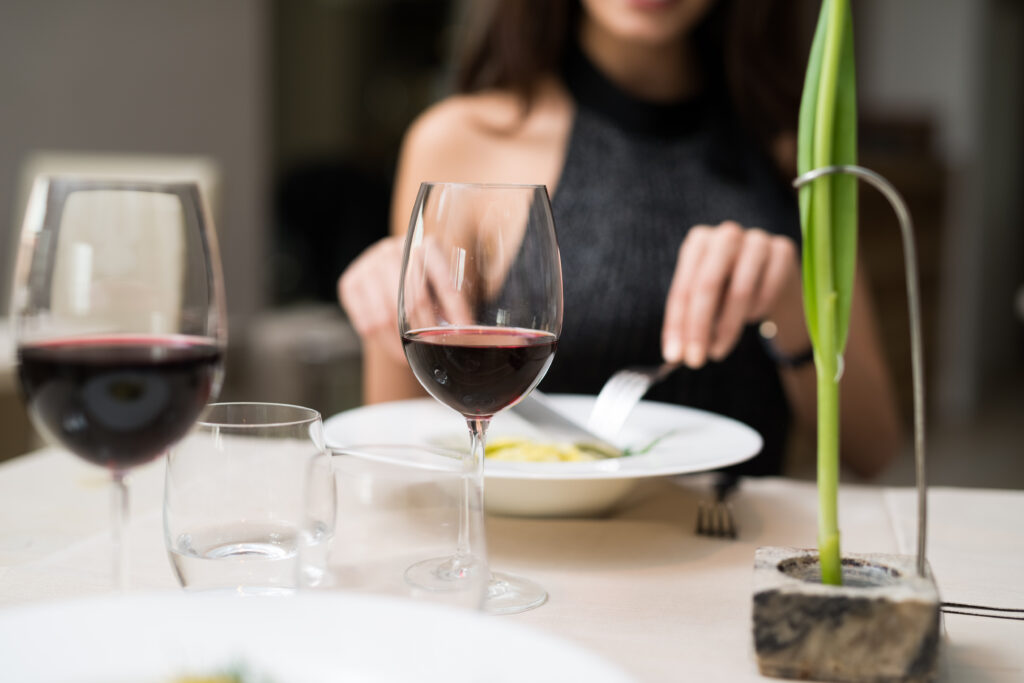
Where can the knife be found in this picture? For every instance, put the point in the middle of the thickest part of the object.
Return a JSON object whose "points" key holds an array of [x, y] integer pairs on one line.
{"points": [[538, 411]]}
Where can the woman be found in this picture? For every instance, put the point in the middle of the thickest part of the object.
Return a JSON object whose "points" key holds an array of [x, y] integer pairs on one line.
{"points": [[663, 130]]}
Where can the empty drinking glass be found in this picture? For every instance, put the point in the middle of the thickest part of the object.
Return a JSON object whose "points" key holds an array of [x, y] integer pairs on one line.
{"points": [[249, 500]]}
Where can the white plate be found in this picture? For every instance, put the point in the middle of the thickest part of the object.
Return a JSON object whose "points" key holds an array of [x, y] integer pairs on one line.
{"points": [[309, 638], [687, 440]]}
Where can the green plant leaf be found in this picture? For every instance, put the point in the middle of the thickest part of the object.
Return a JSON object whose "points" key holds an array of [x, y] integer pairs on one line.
{"points": [[805, 163], [844, 187], [827, 136]]}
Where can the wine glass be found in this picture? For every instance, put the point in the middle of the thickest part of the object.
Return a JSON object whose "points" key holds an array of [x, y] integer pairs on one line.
{"points": [[119, 321], [480, 312]]}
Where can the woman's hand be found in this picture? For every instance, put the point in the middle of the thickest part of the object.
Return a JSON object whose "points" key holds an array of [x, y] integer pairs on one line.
{"points": [[727, 276], [368, 291]]}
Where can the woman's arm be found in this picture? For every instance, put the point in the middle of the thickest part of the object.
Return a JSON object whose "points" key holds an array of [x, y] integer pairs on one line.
{"points": [[368, 289]]}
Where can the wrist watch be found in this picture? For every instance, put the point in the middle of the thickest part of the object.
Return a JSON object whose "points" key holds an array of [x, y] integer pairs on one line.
{"points": [[766, 333]]}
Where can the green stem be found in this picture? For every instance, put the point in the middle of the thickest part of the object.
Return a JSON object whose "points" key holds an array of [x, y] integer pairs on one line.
{"points": [[828, 460], [826, 359]]}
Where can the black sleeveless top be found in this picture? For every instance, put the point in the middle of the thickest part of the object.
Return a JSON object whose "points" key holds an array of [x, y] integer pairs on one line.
{"points": [[636, 177]]}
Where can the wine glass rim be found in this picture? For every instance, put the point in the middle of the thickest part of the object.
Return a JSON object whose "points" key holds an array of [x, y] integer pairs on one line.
{"points": [[89, 181], [310, 415], [485, 186]]}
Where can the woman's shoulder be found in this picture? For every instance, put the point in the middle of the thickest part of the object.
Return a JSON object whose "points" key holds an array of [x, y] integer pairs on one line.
{"points": [[462, 136], [475, 113], [495, 113]]}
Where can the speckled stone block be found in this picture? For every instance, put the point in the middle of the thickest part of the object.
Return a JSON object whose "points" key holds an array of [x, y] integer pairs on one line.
{"points": [[882, 624]]}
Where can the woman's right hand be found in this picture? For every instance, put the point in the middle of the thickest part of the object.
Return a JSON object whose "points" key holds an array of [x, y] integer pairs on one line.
{"points": [[368, 291], [726, 277]]}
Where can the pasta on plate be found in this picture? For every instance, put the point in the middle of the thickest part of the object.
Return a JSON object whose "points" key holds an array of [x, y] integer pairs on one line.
{"points": [[512, 449]]}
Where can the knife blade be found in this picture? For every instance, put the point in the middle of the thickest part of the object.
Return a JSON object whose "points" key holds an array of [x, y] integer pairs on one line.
{"points": [[538, 411]]}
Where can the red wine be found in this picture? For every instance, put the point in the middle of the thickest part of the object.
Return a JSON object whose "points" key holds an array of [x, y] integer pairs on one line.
{"points": [[479, 370], [118, 401]]}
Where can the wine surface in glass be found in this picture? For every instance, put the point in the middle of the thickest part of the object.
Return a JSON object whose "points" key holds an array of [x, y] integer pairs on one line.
{"points": [[118, 401], [478, 370]]}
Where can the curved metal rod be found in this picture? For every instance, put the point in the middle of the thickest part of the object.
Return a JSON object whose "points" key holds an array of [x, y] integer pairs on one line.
{"points": [[914, 307]]}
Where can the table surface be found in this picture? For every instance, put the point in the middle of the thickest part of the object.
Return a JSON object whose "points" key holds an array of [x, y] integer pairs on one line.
{"points": [[637, 587]]}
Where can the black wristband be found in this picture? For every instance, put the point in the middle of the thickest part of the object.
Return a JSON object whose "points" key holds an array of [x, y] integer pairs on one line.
{"points": [[766, 333]]}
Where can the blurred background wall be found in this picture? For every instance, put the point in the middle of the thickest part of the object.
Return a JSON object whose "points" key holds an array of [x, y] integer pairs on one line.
{"points": [[942, 95], [301, 104], [957, 66], [181, 77]]}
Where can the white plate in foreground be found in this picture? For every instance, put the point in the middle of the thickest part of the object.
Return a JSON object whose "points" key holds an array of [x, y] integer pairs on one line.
{"points": [[687, 440], [308, 638]]}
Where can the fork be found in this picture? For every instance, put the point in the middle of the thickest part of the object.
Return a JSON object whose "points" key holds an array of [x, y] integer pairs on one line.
{"points": [[621, 393], [716, 519]]}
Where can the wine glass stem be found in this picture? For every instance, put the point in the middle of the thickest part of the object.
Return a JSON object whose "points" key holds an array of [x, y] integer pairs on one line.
{"points": [[119, 517], [473, 485]]}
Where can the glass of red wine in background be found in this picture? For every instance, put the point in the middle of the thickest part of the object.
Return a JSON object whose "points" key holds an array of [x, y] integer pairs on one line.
{"points": [[480, 312], [119, 321]]}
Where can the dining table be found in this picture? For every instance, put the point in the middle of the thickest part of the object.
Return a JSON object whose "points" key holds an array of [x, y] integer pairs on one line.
{"points": [[637, 586]]}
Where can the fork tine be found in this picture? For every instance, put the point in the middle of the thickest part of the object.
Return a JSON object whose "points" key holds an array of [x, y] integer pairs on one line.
{"points": [[730, 521], [722, 522], [613, 418], [621, 393], [606, 401], [716, 520], [616, 400]]}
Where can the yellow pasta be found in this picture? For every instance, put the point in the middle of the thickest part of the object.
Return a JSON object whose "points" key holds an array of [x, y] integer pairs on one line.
{"points": [[526, 450]]}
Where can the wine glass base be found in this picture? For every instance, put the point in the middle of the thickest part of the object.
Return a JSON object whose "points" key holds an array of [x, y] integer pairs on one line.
{"points": [[511, 594], [444, 574], [506, 593]]}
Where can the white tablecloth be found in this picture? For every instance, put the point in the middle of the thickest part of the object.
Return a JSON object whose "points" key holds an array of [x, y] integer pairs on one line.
{"points": [[638, 587]]}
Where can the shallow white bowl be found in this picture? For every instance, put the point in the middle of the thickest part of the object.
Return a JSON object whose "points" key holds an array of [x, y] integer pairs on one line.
{"points": [[554, 497], [687, 440]]}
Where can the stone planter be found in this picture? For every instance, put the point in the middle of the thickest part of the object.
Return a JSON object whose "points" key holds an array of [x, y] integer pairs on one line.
{"points": [[881, 625]]}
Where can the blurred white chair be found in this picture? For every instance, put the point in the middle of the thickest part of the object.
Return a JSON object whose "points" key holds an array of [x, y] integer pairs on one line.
{"points": [[158, 167], [163, 167]]}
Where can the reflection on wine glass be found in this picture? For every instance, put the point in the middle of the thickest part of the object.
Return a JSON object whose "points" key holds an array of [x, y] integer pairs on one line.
{"points": [[119, 321], [480, 312]]}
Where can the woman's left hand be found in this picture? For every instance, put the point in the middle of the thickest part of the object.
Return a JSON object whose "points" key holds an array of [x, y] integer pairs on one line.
{"points": [[727, 276]]}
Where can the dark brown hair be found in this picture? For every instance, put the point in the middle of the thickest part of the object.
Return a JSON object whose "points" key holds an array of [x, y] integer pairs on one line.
{"points": [[751, 54]]}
